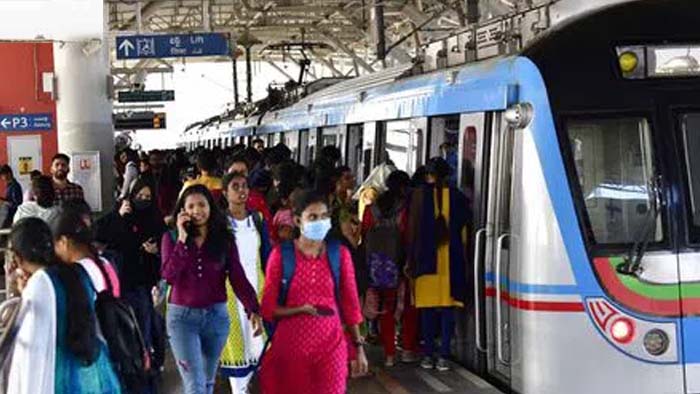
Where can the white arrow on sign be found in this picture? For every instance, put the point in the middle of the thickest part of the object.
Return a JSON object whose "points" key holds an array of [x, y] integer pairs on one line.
{"points": [[5, 123], [126, 46]]}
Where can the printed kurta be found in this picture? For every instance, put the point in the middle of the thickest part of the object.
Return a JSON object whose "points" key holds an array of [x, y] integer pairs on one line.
{"points": [[242, 351], [309, 353]]}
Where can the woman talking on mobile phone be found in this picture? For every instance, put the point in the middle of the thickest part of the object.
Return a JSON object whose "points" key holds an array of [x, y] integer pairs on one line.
{"points": [[198, 257], [308, 353]]}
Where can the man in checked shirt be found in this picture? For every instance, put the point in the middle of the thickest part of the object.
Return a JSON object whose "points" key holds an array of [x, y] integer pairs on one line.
{"points": [[65, 190]]}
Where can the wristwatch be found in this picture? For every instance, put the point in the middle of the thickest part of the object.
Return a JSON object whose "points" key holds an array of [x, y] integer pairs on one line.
{"points": [[359, 342]]}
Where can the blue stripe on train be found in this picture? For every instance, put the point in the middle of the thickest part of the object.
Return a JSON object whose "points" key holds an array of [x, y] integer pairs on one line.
{"points": [[526, 288]]}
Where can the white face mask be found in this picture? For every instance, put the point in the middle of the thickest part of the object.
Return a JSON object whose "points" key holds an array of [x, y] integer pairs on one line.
{"points": [[316, 230]]}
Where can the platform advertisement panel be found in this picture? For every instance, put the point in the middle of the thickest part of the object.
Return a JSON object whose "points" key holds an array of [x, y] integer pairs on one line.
{"points": [[24, 156], [85, 171]]}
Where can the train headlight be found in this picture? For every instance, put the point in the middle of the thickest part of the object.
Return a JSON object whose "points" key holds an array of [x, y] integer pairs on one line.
{"points": [[622, 330], [628, 62], [656, 342]]}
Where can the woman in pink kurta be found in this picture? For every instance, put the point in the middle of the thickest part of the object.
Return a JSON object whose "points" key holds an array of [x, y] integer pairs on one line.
{"points": [[309, 351]]}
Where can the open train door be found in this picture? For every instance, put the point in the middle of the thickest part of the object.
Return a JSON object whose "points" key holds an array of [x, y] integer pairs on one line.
{"points": [[473, 170], [493, 169]]}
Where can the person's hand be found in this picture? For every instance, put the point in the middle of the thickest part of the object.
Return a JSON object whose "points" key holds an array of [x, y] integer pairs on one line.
{"points": [[22, 279], [308, 309], [150, 247], [360, 366], [125, 208], [257, 322], [182, 219]]}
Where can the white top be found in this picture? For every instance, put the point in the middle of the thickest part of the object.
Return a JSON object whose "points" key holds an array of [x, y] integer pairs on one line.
{"points": [[131, 172], [34, 356], [31, 209], [248, 245]]}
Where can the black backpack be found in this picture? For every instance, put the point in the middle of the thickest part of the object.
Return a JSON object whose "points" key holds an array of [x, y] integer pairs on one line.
{"points": [[127, 350]]}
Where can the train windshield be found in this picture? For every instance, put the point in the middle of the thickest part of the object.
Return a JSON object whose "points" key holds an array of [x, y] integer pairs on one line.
{"points": [[690, 127], [614, 162]]}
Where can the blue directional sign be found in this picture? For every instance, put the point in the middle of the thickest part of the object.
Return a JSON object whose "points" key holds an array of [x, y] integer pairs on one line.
{"points": [[26, 122], [172, 45]]}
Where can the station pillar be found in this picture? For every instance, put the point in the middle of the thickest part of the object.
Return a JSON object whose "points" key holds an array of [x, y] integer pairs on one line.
{"points": [[84, 111]]}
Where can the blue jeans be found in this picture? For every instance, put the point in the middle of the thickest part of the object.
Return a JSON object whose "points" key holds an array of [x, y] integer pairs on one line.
{"points": [[197, 337], [430, 319]]}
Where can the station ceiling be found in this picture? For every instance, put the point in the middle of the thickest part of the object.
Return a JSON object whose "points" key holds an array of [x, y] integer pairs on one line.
{"points": [[335, 34]]}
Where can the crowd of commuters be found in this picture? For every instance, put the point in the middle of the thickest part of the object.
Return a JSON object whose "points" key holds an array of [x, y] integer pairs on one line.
{"points": [[240, 261]]}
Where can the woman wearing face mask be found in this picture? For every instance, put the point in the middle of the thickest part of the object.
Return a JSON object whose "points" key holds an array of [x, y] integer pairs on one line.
{"points": [[244, 346], [130, 234], [198, 256], [57, 347], [309, 352]]}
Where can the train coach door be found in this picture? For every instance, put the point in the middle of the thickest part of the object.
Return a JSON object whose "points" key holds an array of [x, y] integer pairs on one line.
{"points": [[497, 250], [472, 178]]}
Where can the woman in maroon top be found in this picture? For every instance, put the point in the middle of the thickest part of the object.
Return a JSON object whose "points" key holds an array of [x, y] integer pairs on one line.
{"points": [[197, 258]]}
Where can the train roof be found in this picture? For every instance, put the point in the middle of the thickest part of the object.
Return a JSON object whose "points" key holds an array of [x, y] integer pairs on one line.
{"points": [[389, 95]]}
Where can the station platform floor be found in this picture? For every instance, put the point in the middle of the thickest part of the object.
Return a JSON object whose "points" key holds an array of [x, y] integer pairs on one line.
{"points": [[400, 379]]}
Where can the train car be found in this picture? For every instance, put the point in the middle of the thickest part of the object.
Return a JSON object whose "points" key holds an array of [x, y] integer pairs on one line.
{"points": [[579, 155]]}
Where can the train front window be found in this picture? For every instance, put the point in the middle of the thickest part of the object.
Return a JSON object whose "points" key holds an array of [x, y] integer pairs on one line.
{"points": [[614, 163], [690, 126]]}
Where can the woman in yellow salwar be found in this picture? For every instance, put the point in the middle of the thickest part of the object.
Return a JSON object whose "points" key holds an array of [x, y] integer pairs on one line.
{"points": [[437, 232], [244, 346]]}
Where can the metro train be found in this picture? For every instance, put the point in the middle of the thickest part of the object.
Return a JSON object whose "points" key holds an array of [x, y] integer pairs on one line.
{"points": [[580, 155]]}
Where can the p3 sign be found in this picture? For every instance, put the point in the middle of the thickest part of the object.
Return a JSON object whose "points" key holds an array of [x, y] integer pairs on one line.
{"points": [[26, 122]]}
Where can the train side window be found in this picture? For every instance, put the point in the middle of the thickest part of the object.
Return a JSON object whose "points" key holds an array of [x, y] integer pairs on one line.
{"points": [[403, 143], [614, 162], [329, 136], [444, 141], [291, 140], [354, 149], [397, 138], [690, 126]]}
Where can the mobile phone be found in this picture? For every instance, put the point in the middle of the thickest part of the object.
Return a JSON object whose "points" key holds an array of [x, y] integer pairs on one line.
{"points": [[324, 310]]}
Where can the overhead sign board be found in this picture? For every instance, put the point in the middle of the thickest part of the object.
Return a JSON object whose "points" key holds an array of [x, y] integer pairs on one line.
{"points": [[139, 120], [172, 45], [145, 96], [26, 122]]}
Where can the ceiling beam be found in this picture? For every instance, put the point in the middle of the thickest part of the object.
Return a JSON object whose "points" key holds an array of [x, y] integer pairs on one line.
{"points": [[327, 63], [341, 46], [279, 69]]}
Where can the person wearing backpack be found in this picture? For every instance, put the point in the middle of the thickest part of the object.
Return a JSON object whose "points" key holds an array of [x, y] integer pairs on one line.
{"points": [[59, 349], [198, 257], [310, 292], [244, 346], [383, 228], [73, 239]]}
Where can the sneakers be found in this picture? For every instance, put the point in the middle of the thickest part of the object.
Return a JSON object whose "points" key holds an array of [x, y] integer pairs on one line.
{"points": [[409, 357], [442, 365], [390, 362], [427, 363]]}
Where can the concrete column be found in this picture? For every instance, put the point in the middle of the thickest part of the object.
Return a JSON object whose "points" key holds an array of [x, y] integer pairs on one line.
{"points": [[84, 110]]}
